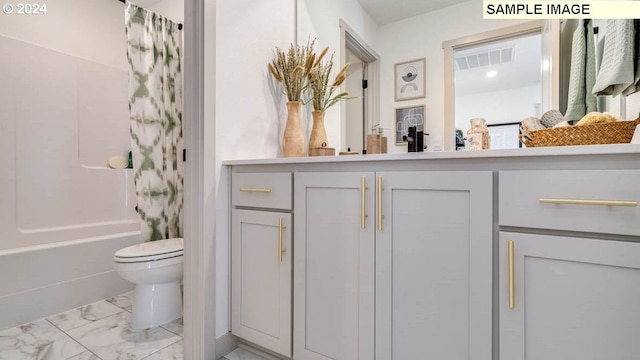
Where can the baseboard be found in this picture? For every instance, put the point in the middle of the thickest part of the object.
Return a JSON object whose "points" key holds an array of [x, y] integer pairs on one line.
{"points": [[258, 350], [225, 344]]}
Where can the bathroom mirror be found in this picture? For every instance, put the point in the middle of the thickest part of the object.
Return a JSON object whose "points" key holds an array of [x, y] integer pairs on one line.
{"points": [[401, 32]]}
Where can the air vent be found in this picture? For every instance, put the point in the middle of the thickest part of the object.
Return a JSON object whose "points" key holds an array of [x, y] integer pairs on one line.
{"points": [[485, 58]]}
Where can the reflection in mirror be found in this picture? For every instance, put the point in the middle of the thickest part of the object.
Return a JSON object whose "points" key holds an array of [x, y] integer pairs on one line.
{"points": [[412, 33], [498, 81], [524, 57]]}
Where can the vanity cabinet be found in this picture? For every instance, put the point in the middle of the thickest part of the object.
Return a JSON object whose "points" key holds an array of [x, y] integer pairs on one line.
{"points": [[434, 265], [408, 256], [423, 238], [261, 260], [573, 298], [569, 279], [334, 266]]}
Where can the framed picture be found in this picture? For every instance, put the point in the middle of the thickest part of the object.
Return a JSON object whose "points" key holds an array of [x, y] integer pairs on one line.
{"points": [[410, 79], [505, 135], [406, 117]]}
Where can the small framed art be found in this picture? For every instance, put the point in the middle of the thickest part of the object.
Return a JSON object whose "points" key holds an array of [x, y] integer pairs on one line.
{"points": [[406, 117], [410, 80]]}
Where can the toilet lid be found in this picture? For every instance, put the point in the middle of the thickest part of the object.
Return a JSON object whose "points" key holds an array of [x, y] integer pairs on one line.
{"points": [[151, 250]]}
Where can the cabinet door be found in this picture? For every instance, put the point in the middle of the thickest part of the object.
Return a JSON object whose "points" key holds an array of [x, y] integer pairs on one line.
{"points": [[261, 278], [573, 298], [433, 266], [334, 266]]}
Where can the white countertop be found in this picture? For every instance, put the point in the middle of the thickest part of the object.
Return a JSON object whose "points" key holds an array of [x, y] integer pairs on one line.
{"points": [[612, 149]]}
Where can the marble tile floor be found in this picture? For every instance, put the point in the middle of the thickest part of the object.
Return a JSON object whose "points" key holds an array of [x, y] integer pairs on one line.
{"points": [[99, 331]]}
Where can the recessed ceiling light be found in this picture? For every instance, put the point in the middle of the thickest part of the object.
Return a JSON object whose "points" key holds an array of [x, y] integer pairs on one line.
{"points": [[491, 73]]}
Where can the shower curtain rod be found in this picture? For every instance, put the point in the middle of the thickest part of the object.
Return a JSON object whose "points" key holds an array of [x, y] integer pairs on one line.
{"points": [[179, 25]]}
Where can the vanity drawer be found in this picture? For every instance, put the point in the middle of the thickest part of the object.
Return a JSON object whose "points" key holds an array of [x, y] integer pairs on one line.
{"points": [[262, 190], [600, 201]]}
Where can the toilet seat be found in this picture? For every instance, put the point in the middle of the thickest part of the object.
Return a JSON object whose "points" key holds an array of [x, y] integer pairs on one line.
{"points": [[150, 251]]}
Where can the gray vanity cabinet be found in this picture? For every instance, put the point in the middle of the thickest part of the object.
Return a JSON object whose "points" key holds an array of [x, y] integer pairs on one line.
{"points": [[334, 241], [434, 265], [573, 298], [261, 259], [424, 240], [569, 287]]}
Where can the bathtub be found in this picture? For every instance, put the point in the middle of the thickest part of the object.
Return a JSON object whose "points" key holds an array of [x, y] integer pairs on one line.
{"points": [[43, 280]]}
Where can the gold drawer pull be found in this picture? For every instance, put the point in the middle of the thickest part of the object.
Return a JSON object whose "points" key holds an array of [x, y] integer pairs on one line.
{"points": [[281, 227], [255, 190], [363, 203], [380, 215], [589, 202], [512, 290]]}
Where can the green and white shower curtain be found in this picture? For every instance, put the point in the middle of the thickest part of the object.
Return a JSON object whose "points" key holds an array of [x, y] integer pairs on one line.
{"points": [[155, 107]]}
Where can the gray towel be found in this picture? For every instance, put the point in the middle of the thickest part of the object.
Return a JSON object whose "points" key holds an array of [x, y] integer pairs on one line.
{"points": [[617, 68], [576, 107], [635, 87], [590, 69]]}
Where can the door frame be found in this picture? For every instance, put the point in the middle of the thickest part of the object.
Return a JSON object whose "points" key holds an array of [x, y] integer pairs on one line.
{"points": [[199, 256], [349, 39], [551, 63]]}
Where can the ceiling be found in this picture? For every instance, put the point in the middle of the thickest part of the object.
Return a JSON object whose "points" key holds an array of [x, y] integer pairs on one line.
{"points": [[523, 70], [387, 11]]}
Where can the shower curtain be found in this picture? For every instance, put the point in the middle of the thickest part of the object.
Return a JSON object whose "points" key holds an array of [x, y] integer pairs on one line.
{"points": [[155, 108]]}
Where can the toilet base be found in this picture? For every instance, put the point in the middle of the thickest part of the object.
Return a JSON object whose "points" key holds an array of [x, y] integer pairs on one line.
{"points": [[156, 304]]}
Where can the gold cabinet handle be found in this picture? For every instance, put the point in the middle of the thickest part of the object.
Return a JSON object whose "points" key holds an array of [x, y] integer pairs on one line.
{"points": [[380, 216], [589, 202], [255, 190], [281, 227], [363, 203], [512, 290]]}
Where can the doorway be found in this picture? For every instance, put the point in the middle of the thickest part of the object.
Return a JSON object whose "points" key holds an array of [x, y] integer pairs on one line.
{"points": [[499, 81], [359, 114]]}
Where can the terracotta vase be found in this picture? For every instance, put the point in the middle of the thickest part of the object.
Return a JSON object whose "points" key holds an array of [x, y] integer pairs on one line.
{"points": [[318, 133], [293, 139]]}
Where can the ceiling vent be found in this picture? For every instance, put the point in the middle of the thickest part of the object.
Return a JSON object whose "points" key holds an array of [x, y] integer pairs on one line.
{"points": [[485, 58]]}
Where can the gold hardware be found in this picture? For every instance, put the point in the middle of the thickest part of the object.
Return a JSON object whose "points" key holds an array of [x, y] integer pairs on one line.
{"points": [[255, 190], [363, 204], [281, 227], [589, 202], [512, 290], [380, 216]]}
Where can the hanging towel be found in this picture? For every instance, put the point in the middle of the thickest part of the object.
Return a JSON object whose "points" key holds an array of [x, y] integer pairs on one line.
{"points": [[602, 100], [617, 68], [576, 107], [635, 87], [590, 69]]}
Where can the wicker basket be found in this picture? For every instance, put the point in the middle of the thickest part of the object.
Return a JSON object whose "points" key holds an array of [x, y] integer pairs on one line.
{"points": [[618, 132]]}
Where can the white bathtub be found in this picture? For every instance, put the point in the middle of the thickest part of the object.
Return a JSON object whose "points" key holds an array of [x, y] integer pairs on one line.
{"points": [[63, 213], [39, 281]]}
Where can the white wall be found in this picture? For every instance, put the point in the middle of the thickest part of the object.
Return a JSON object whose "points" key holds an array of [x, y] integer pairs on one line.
{"points": [[171, 9], [497, 107], [250, 112], [100, 39], [321, 19], [421, 37]]}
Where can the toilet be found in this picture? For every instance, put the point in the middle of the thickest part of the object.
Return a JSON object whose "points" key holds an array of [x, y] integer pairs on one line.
{"points": [[155, 267]]}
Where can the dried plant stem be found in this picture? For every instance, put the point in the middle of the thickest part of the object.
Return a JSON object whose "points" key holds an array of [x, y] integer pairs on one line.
{"points": [[292, 68], [323, 93]]}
